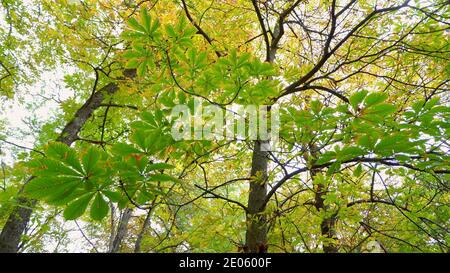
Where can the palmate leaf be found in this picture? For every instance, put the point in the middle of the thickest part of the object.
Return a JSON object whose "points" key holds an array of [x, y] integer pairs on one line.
{"points": [[336, 166], [383, 109], [144, 196], [132, 63], [357, 98], [146, 20], [65, 176], [77, 208], [53, 167], [349, 152], [134, 24], [65, 154], [170, 31], [90, 160], [51, 187], [390, 144], [138, 179], [159, 166], [148, 122], [99, 208], [66, 197], [112, 196], [325, 158], [125, 197], [151, 133], [375, 98], [358, 170], [366, 142], [124, 149], [142, 69]]}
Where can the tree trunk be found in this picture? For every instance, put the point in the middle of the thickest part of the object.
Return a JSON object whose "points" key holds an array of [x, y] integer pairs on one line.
{"points": [[21, 213], [16, 223], [121, 230], [137, 245], [327, 225], [256, 236]]}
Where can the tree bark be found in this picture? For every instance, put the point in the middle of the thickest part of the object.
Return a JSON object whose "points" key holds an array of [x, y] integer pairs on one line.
{"points": [[256, 235], [327, 225], [137, 245], [16, 222], [121, 230], [21, 213], [257, 228]]}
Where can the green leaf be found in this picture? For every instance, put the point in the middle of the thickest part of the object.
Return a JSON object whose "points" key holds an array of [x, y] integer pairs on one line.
{"points": [[77, 207], [375, 98], [144, 196], [170, 31], [381, 109], [89, 185], [162, 177], [149, 118], [142, 69], [430, 103], [124, 149], [146, 20], [155, 25], [357, 98], [64, 153], [417, 106], [134, 24], [316, 106], [141, 125], [139, 138], [402, 157], [365, 142], [99, 208], [159, 166], [358, 171], [325, 158], [336, 166], [123, 202], [90, 159], [389, 144], [348, 153], [42, 187], [52, 167], [132, 63], [66, 196], [112, 196]]}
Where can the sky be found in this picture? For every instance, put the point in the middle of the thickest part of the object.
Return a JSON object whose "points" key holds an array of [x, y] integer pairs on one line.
{"points": [[45, 93]]}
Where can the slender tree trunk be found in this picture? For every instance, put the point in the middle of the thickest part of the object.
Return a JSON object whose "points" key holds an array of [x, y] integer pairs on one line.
{"points": [[137, 245], [16, 223], [113, 225], [257, 228], [121, 230], [256, 236], [327, 226], [21, 213]]}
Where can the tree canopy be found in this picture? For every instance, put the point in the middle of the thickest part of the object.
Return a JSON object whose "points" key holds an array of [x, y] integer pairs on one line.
{"points": [[360, 89]]}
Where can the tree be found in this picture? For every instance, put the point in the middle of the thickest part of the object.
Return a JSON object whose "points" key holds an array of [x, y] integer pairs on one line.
{"points": [[363, 151]]}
